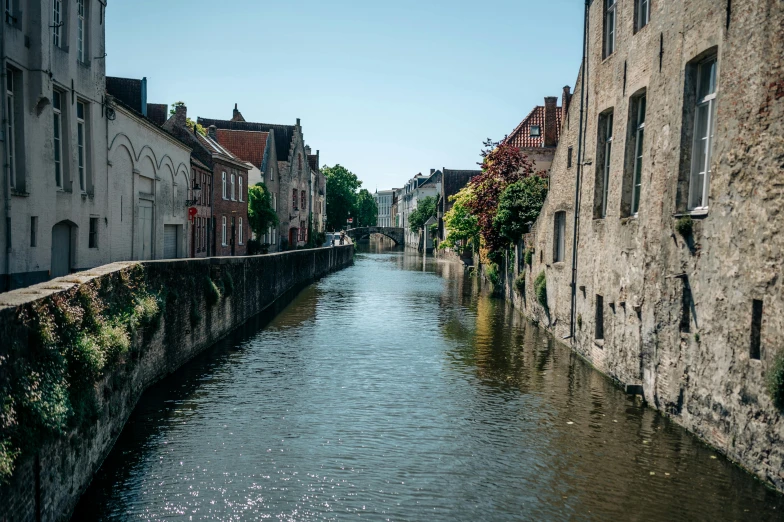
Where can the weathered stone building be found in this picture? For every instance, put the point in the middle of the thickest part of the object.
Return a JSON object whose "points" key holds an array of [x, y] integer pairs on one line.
{"points": [[54, 140], [677, 278]]}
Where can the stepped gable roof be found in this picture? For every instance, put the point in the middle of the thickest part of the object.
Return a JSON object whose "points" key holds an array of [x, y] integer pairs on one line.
{"points": [[313, 161], [127, 90], [521, 135], [283, 133], [247, 145]]}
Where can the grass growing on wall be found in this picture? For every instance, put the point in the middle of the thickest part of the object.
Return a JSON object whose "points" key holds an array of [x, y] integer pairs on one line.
{"points": [[519, 283], [775, 380], [492, 273], [75, 338], [540, 288]]}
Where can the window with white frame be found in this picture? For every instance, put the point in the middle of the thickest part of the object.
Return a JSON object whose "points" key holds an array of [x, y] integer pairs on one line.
{"points": [[704, 125], [240, 237], [9, 11], [57, 98], [240, 188], [80, 31], [639, 133], [559, 236], [609, 26], [57, 22], [223, 231], [604, 146], [642, 13], [233, 197], [81, 144], [223, 178], [11, 125]]}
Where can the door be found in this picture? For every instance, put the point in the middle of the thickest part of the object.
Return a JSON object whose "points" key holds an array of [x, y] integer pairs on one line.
{"points": [[170, 241], [145, 230], [61, 249]]}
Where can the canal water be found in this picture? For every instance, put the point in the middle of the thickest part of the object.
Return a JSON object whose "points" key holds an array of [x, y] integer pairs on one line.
{"points": [[395, 390]]}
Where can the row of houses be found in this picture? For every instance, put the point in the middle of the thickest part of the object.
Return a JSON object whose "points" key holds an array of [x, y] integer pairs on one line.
{"points": [[95, 173]]}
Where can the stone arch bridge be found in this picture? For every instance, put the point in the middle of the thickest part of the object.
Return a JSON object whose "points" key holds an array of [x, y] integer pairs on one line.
{"points": [[393, 233]]}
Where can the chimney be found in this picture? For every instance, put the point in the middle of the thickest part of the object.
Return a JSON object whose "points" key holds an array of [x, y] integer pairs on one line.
{"points": [[297, 122], [211, 132], [144, 97], [180, 115], [565, 99], [550, 121], [307, 150], [432, 171]]}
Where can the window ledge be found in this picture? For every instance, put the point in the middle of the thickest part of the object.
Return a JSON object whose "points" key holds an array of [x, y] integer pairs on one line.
{"points": [[86, 64], [560, 265], [599, 342], [20, 193], [699, 213]]}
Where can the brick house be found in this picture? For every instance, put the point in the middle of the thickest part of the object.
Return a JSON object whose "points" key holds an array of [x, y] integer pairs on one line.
{"points": [[227, 232], [201, 233], [284, 167], [537, 135]]}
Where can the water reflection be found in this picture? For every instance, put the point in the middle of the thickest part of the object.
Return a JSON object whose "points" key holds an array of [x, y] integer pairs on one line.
{"points": [[398, 394]]}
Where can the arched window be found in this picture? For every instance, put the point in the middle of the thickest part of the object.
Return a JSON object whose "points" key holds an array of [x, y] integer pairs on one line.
{"points": [[233, 197], [294, 199]]}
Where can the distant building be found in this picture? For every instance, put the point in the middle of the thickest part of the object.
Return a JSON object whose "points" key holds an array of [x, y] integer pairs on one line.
{"points": [[384, 203], [452, 181], [538, 134], [417, 188]]}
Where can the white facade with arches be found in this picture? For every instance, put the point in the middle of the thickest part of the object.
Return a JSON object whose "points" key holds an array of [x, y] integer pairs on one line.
{"points": [[149, 180]]}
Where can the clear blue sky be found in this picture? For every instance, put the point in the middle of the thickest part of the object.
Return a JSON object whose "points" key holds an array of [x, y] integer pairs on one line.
{"points": [[387, 89]]}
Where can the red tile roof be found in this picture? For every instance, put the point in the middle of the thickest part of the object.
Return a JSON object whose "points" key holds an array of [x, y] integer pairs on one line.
{"points": [[521, 136], [247, 145]]}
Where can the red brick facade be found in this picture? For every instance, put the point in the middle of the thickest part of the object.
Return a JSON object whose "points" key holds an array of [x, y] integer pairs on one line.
{"points": [[201, 236], [230, 231]]}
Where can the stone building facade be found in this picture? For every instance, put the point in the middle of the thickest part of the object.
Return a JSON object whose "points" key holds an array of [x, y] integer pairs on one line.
{"points": [[678, 292], [54, 141], [318, 192], [284, 168]]}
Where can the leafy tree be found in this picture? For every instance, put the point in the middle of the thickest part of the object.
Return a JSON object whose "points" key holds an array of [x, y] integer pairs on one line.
{"points": [[366, 209], [461, 225], [342, 186], [502, 165], [520, 204], [261, 215], [426, 208], [188, 122]]}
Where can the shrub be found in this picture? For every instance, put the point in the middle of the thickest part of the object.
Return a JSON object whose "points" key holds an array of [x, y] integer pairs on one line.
{"points": [[540, 288], [775, 380], [148, 310], [520, 283], [211, 292], [528, 256], [684, 226], [519, 205], [492, 273]]}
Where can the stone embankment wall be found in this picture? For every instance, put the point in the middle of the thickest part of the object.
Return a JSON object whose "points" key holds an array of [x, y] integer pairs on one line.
{"points": [[47, 484]]}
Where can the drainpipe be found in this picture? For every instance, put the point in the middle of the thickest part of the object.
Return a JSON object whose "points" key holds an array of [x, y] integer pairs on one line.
{"points": [[579, 173]]}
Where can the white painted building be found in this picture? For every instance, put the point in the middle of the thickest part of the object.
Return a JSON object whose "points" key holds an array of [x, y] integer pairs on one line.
{"points": [[416, 189], [54, 180], [149, 183], [384, 204]]}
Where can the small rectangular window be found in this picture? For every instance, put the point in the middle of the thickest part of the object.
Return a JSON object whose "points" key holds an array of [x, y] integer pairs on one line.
{"points": [[224, 186], [232, 188], [756, 329], [642, 14], [11, 125], [57, 22], [239, 232], [81, 143], [604, 155], [240, 191], [609, 27], [80, 30], [58, 140], [536, 130], [599, 317], [569, 157], [93, 239], [639, 106], [559, 239], [9, 12], [34, 231], [223, 231], [704, 126]]}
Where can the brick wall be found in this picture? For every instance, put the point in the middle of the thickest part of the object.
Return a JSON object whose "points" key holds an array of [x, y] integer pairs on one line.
{"points": [[233, 210], [47, 487]]}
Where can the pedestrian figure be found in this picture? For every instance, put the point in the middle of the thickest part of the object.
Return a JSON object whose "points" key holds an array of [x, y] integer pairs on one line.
{"points": [[342, 237]]}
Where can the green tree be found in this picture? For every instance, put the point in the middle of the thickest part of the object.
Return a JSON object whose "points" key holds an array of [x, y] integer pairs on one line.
{"points": [[426, 208], [366, 210], [519, 204], [342, 186], [461, 225], [188, 122], [261, 215]]}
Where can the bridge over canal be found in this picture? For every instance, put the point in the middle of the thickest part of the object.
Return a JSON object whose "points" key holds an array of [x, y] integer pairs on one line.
{"points": [[393, 233]]}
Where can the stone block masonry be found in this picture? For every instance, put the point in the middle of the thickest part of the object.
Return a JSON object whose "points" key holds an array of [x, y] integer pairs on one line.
{"points": [[201, 301]]}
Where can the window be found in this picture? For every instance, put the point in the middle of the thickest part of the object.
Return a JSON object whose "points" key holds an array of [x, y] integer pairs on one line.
{"points": [[80, 31], [224, 185], [233, 195], [275, 202], [642, 14], [609, 27], [756, 329], [34, 231], [536, 130], [638, 107], [302, 231], [240, 191], [93, 239], [599, 335], [11, 125], [223, 231], [239, 232], [569, 157], [58, 138], [81, 142], [57, 22], [303, 201], [604, 145], [9, 12], [294, 199], [704, 125], [559, 237]]}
